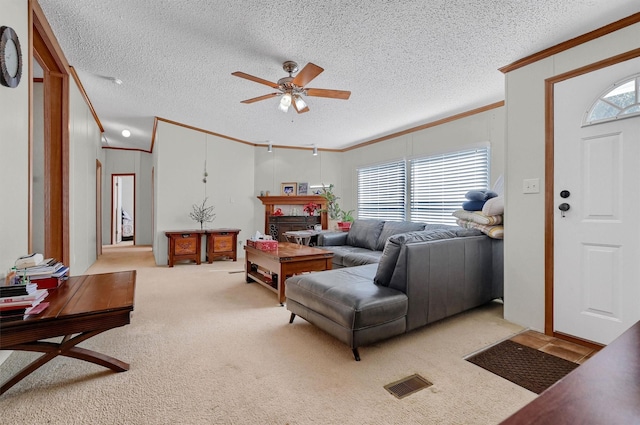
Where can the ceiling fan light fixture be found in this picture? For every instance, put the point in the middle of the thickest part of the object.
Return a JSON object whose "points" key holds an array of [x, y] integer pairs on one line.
{"points": [[300, 103], [285, 102]]}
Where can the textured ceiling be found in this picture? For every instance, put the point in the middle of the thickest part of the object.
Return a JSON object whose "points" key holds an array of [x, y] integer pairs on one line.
{"points": [[405, 62]]}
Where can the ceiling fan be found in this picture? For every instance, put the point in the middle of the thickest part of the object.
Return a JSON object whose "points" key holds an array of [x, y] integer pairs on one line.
{"points": [[293, 88]]}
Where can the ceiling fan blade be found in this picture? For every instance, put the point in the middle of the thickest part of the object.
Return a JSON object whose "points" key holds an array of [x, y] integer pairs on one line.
{"points": [[334, 94], [256, 99], [255, 79], [308, 73]]}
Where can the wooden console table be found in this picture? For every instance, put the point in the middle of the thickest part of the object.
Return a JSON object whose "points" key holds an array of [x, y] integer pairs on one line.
{"points": [[84, 306], [603, 390]]}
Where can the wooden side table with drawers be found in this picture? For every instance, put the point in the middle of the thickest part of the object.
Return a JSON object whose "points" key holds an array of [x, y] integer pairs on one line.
{"points": [[222, 243]]}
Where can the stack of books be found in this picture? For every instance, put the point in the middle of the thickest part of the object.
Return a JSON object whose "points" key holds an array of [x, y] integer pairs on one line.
{"points": [[47, 274], [21, 299]]}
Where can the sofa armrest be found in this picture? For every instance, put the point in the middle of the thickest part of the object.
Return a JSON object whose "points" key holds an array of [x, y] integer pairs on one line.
{"points": [[332, 238]]}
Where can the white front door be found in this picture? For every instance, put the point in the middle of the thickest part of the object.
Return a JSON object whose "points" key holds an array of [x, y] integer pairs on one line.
{"points": [[597, 240]]}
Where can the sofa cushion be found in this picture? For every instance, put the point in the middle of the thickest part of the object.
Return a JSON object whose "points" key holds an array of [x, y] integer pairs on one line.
{"points": [[347, 297], [391, 228], [360, 258], [349, 256], [394, 244], [365, 233]]}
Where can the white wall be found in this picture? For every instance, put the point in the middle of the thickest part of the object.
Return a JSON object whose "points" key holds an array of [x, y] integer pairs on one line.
{"points": [[84, 150], [14, 162], [456, 135], [340, 168], [14, 146], [119, 161], [525, 158], [179, 160], [292, 165]]}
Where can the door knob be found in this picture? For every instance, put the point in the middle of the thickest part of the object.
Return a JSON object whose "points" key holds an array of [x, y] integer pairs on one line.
{"points": [[564, 207]]}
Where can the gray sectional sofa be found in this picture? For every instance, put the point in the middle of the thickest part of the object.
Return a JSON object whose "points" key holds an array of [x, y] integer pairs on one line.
{"points": [[418, 277], [365, 241]]}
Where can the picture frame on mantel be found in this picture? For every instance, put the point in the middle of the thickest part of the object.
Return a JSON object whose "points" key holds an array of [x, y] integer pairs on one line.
{"points": [[288, 189], [303, 189]]}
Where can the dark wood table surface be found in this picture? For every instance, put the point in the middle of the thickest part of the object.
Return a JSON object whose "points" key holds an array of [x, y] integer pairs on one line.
{"points": [[289, 259], [603, 390], [83, 306]]}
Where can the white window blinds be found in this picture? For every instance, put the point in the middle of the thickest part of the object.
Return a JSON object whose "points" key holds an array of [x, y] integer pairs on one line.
{"points": [[381, 191], [438, 183]]}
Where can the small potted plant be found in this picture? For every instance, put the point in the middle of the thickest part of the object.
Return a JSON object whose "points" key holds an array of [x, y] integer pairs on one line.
{"points": [[310, 208], [333, 209], [346, 218]]}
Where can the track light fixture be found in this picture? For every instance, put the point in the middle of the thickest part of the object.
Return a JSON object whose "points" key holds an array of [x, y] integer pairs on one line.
{"points": [[270, 148], [315, 151]]}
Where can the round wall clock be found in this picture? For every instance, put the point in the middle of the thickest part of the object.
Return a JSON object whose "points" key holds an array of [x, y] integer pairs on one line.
{"points": [[10, 57]]}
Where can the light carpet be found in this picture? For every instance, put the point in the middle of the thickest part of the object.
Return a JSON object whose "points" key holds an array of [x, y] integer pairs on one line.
{"points": [[207, 348]]}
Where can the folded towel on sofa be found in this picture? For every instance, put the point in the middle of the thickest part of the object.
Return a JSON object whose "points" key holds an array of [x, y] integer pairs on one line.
{"points": [[478, 217], [493, 231]]}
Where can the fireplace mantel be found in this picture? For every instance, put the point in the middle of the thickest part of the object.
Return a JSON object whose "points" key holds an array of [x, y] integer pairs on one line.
{"points": [[270, 203]]}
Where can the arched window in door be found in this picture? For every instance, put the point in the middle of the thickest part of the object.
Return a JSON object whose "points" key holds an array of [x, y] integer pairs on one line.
{"points": [[621, 100]]}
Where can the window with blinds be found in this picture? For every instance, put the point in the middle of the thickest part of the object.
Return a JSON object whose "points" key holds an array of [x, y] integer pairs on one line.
{"points": [[381, 191], [438, 183]]}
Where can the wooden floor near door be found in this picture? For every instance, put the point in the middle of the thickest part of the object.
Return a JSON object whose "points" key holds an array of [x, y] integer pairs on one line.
{"points": [[557, 347]]}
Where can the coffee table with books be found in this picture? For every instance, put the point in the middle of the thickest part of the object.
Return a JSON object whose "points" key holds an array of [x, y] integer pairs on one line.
{"points": [[271, 268]]}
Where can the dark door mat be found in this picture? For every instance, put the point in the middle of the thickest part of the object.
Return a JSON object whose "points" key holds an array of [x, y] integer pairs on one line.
{"points": [[525, 366]]}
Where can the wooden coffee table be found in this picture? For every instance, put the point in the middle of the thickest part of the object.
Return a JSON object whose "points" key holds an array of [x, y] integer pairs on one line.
{"points": [[271, 268], [84, 306]]}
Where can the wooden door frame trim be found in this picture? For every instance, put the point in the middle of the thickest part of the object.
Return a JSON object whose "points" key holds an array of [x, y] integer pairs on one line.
{"points": [[549, 180], [44, 46], [99, 186], [134, 204]]}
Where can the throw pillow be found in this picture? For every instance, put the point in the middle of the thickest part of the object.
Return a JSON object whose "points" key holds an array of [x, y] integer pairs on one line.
{"points": [[365, 233], [391, 228], [473, 205], [494, 206]]}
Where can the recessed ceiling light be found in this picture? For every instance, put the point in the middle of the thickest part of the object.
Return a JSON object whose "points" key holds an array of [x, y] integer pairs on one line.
{"points": [[126, 133]]}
